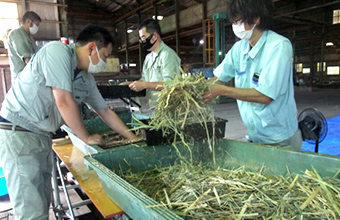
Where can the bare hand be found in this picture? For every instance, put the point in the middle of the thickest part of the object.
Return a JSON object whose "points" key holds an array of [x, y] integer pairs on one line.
{"points": [[95, 139], [136, 139], [137, 86], [124, 83], [211, 94]]}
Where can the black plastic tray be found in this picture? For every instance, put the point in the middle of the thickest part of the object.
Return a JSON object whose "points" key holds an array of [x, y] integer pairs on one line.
{"points": [[195, 131], [114, 139], [119, 91]]}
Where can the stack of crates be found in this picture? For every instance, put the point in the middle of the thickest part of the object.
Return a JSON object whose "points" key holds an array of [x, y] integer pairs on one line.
{"points": [[3, 187]]}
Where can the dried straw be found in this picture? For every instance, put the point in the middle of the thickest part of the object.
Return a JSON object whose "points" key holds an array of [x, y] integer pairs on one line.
{"points": [[197, 192], [180, 104]]}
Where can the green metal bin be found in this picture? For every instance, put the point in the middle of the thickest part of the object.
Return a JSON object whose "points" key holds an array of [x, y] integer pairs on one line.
{"points": [[98, 126], [229, 154]]}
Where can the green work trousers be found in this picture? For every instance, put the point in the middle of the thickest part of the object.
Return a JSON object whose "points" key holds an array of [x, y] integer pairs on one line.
{"points": [[26, 158]]}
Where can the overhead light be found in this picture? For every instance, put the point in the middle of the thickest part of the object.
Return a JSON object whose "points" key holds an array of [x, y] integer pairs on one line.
{"points": [[159, 17], [201, 41], [129, 30], [220, 53], [132, 64], [329, 44]]}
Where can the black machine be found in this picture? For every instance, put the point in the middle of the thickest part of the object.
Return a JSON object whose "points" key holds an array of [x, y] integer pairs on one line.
{"points": [[122, 92], [113, 89], [313, 126]]}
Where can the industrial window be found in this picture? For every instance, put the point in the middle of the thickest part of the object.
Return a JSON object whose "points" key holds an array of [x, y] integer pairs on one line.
{"points": [[333, 70], [298, 67], [306, 70], [318, 66], [8, 18], [336, 16]]}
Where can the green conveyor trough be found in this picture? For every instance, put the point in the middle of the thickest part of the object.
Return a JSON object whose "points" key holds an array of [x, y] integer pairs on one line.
{"points": [[229, 154], [97, 126]]}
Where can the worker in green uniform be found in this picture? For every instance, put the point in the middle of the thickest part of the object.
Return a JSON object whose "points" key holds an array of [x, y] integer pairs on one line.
{"points": [[43, 98], [21, 45], [160, 65]]}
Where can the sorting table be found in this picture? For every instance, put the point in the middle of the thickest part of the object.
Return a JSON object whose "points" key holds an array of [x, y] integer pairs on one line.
{"points": [[87, 179]]}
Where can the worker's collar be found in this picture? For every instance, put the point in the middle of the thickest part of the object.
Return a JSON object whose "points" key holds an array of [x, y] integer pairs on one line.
{"points": [[24, 30], [252, 51], [73, 48], [74, 58], [76, 72], [160, 48]]}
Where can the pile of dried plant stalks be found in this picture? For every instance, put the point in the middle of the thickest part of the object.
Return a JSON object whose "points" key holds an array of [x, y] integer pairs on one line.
{"points": [[197, 192], [113, 139], [180, 104]]}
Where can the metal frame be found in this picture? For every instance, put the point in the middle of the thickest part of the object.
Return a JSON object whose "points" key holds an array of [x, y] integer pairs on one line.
{"points": [[58, 208]]}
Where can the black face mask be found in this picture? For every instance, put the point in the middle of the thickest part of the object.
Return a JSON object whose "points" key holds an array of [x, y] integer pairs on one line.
{"points": [[146, 44]]}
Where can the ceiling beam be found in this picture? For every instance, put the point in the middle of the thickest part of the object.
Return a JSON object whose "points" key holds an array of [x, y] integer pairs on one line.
{"points": [[308, 9], [133, 11], [115, 2], [93, 13]]}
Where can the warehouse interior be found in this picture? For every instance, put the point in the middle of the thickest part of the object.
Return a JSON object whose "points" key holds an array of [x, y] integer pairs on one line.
{"points": [[190, 27], [187, 26]]}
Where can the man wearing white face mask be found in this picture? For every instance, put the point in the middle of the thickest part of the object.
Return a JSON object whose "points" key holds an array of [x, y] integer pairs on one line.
{"points": [[261, 64], [44, 97], [21, 45]]}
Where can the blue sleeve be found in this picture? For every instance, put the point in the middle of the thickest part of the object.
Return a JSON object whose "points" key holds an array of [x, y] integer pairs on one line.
{"points": [[275, 76], [226, 70]]}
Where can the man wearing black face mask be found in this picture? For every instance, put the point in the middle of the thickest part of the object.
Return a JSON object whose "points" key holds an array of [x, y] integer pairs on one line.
{"points": [[160, 65]]}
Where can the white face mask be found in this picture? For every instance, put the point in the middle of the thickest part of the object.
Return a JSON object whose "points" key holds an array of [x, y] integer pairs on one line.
{"points": [[34, 29], [240, 31], [96, 68]]}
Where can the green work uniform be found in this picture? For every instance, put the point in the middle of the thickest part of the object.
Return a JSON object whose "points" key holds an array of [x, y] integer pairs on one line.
{"points": [[21, 45], [30, 103], [160, 67], [85, 90]]}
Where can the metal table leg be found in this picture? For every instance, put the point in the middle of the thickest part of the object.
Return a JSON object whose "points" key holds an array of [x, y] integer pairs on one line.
{"points": [[65, 191], [58, 208]]}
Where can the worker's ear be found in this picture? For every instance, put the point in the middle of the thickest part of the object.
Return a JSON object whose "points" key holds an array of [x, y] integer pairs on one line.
{"points": [[91, 48], [28, 22], [257, 21], [155, 37]]}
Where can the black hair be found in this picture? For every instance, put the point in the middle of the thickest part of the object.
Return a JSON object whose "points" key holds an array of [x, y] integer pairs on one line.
{"points": [[249, 10], [94, 33], [151, 26], [30, 15]]}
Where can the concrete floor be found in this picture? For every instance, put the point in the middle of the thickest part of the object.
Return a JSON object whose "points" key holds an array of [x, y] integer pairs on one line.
{"points": [[325, 100]]}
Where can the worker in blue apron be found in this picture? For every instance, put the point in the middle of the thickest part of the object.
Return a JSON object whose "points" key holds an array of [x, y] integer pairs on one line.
{"points": [[160, 65], [261, 64], [43, 97]]}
